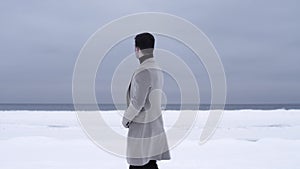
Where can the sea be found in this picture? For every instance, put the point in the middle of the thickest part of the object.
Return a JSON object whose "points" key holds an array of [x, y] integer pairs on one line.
{"points": [[70, 107]]}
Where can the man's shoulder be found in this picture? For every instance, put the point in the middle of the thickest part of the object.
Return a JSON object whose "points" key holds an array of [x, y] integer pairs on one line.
{"points": [[142, 74]]}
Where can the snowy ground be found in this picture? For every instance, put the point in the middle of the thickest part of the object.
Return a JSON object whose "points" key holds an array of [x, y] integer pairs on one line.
{"points": [[245, 139]]}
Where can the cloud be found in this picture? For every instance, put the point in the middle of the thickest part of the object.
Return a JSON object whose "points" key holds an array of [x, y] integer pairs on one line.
{"points": [[258, 42]]}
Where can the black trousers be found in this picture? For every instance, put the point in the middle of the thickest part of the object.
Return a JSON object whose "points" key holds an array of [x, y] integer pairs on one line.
{"points": [[150, 165]]}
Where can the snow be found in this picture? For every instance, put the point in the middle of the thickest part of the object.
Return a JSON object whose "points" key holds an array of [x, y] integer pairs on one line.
{"points": [[244, 139]]}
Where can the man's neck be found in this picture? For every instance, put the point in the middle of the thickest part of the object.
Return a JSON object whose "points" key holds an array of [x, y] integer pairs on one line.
{"points": [[144, 57]]}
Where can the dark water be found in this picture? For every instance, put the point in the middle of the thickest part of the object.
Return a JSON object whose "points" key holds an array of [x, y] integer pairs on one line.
{"points": [[70, 107]]}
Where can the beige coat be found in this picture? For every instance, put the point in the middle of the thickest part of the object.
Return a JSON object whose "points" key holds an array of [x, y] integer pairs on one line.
{"points": [[146, 135]]}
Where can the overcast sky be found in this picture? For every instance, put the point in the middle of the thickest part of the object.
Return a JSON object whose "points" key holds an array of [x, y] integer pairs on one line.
{"points": [[258, 42]]}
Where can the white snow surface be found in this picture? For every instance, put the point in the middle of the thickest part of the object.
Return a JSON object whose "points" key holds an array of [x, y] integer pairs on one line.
{"points": [[244, 139]]}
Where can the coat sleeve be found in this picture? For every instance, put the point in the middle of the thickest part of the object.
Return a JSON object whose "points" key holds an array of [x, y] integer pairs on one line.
{"points": [[140, 89]]}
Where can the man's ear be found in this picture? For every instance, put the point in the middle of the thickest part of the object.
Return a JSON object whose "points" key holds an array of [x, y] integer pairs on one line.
{"points": [[137, 49]]}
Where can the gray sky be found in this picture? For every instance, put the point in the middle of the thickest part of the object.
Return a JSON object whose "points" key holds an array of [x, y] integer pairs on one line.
{"points": [[258, 42]]}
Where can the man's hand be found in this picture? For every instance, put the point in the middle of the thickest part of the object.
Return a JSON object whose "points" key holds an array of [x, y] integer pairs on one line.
{"points": [[126, 122]]}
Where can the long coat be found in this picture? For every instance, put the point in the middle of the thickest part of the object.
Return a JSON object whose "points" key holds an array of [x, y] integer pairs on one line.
{"points": [[146, 139]]}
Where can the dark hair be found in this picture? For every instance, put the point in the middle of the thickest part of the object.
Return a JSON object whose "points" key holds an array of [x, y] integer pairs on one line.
{"points": [[145, 41]]}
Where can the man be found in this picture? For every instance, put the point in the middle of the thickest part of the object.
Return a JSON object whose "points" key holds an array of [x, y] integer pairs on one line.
{"points": [[146, 141]]}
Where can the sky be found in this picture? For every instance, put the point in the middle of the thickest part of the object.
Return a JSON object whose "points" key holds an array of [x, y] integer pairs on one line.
{"points": [[258, 43]]}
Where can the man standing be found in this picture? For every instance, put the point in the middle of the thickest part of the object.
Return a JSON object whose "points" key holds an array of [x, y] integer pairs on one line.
{"points": [[146, 141]]}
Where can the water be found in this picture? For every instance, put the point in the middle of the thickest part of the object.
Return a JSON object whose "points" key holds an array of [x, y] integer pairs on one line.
{"points": [[70, 107]]}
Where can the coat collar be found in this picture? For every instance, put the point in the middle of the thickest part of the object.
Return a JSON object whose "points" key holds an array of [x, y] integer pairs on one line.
{"points": [[149, 59], [150, 62], [145, 57]]}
